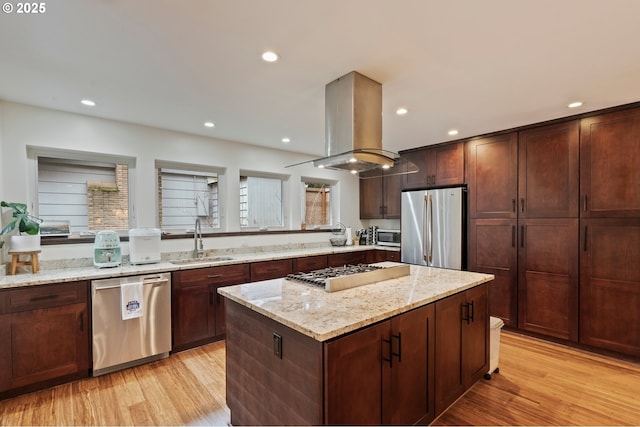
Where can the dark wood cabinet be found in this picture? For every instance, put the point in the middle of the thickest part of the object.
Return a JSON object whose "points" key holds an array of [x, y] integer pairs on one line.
{"points": [[548, 277], [380, 196], [309, 263], [266, 270], [45, 335], [493, 250], [609, 165], [437, 166], [610, 284], [462, 344], [492, 176], [382, 374], [198, 311], [346, 258], [548, 171]]}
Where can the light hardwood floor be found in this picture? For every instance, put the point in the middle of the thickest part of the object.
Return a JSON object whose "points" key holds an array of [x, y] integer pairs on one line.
{"points": [[539, 383]]}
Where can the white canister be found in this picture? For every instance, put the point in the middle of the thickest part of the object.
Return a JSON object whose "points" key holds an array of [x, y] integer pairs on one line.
{"points": [[349, 236]]}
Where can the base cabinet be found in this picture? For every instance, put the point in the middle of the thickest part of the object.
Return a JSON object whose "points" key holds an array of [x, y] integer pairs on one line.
{"points": [[44, 332], [382, 374], [462, 344]]}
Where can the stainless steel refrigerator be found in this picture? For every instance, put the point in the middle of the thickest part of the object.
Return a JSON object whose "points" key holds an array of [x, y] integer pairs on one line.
{"points": [[433, 227]]}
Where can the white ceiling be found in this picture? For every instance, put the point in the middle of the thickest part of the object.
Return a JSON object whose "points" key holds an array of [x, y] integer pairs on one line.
{"points": [[474, 65]]}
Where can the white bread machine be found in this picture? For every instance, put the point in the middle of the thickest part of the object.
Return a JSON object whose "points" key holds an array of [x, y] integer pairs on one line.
{"points": [[144, 245]]}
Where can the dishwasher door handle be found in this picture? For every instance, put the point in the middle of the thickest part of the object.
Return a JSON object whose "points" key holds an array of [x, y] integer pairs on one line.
{"points": [[154, 282]]}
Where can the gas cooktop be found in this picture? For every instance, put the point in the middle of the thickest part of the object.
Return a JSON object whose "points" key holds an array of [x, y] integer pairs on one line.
{"points": [[349, 276]]}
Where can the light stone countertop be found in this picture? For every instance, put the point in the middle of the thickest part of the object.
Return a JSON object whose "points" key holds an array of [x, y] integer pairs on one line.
{"points": [[325, 315], [240, 256]]}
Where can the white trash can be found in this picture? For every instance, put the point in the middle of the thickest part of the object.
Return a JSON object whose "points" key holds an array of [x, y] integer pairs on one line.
{"points": [[495, 326]]}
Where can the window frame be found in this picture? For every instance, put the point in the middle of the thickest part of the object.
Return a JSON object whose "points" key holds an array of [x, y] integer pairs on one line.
{"points": [[284, 181], [333, 200]]}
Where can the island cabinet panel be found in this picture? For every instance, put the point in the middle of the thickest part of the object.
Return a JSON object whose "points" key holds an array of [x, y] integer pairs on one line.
{"points": [[198, 311], [44, 333], [609, 159], [439, 165], [462, 344], [309, 263], [610, 284], [274, 374], [266, 270], [382, 374]]}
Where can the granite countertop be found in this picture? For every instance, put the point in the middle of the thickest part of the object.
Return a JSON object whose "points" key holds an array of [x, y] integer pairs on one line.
{"points": [[325, 315], [238, 257]]}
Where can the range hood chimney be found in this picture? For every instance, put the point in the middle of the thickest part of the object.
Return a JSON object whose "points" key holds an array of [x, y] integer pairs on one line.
{"points": [[353, 130]]}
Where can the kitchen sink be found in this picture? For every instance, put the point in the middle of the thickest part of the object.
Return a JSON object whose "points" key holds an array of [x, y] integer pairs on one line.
{"points": [[202, 260]]}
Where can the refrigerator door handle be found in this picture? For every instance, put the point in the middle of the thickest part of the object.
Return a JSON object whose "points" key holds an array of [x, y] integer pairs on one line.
{"points": [[430, 228], [425, 226]]}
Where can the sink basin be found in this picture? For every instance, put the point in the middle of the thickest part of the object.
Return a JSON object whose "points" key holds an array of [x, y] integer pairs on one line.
{"points": [[202, 260]]}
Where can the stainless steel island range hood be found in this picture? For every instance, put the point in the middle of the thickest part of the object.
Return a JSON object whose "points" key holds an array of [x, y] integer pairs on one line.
{"points": [[353, 129]]}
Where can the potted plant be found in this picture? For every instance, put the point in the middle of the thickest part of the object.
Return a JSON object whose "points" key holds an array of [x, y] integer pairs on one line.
{"points": [[28, 226]]}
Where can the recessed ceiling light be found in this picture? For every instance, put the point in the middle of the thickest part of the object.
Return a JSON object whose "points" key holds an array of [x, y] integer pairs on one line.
{"points": [[320, 166], [286, 140], [209, 124], [386, 167], [453, 132], [270, 56], [88, 103], [353, 160], [401, 111], [575, 104], [353, 172]]}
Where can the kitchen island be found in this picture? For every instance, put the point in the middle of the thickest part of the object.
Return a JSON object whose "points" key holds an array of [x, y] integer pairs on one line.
{"points": [[393, 352]]}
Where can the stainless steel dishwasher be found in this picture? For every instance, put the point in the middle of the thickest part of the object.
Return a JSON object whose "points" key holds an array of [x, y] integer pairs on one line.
{"points": [[118, 343]]}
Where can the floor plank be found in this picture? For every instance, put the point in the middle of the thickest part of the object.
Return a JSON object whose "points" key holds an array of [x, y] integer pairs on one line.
{"points": [[539, 383]]}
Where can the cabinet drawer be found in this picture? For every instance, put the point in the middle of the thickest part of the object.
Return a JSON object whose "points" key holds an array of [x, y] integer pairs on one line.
{"points": [[271, 269], [393, 256], [223, 275], [310, 263], [337, 260], [43, 296]]}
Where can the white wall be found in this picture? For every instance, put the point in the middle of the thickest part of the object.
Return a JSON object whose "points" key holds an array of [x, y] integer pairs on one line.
{"points": [[22, 126]]}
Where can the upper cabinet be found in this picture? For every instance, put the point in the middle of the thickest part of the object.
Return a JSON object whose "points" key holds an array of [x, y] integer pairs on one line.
{"points": [[492, 172], [437, 166], [609, 165], [548, 171], [380, 197]]}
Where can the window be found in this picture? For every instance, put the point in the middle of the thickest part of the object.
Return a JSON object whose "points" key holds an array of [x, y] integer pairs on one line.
{"points": [[90, 195], [185, 196], [261, 201], [317, 204]]}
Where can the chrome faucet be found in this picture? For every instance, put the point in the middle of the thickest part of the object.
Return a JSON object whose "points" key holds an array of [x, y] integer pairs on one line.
{"points": [[198, 250]]}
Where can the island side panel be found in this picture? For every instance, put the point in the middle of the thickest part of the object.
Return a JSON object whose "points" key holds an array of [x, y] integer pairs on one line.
{"points": [[262, 387]]}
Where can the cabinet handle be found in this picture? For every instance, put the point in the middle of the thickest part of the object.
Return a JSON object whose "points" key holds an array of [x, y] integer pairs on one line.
{"points": [[214, 276], [522, 204], [390, 359], [584, 203], [513, 205], [433, 179], [43, 298], [522, 236], [399, 353], [513, 236], [585, 238], [472, 315]]}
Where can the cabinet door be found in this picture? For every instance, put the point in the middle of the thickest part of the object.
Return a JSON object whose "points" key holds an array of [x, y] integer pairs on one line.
{"points": [[548, 277], [449, 376], [492, 176], [346, 258], [475, 337], [493, 250], [609, 159], [610, 284], [371, 198], [548, 171], [310, 263], [447, 164], [43, 344], [354, 377], [421, 178], [392, 189], [193, 315], [410, 399]]}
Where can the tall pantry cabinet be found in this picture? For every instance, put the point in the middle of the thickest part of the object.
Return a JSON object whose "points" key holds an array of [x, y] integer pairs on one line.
{"points": [[610, 231], [523, 227]]}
